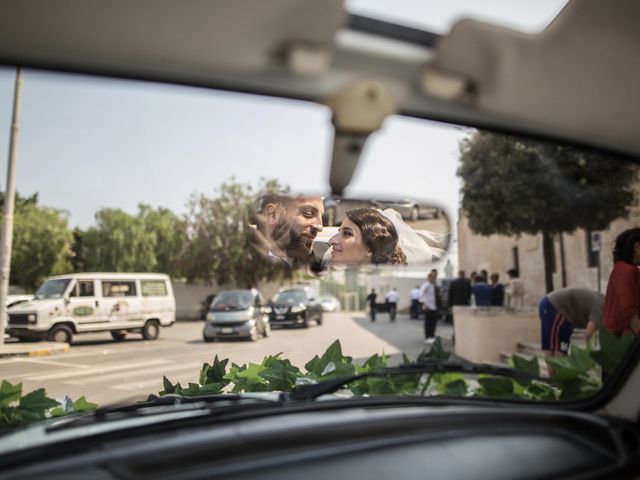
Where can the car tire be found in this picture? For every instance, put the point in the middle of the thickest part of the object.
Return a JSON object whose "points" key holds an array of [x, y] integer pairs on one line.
{"points": [[208, 339], [151, 330], [415, 214], [305, 323], [60, 334], [319, 319], [118, 336]]}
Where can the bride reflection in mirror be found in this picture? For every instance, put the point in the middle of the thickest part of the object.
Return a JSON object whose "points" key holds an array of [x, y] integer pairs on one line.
{"points": [[371, 236]]}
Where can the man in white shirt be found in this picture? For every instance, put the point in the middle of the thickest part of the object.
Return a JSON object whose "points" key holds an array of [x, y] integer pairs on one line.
{"points": [[415, 302], [392, 300], [429, 306]]}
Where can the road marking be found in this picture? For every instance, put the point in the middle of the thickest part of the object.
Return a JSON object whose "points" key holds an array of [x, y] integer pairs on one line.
{"points": [[96, 370], [146, 384], [51, 362], [194, 367]]}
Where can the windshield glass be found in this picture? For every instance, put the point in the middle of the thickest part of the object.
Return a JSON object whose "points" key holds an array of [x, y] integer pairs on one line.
{"points": [[449, 243], [52, 289], [290, 296], [230, 301]]}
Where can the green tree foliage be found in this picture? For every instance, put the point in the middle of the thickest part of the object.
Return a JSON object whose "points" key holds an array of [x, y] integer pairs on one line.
{"points": [[151, 241], [41, 241], [218, 231], [513, 186]]}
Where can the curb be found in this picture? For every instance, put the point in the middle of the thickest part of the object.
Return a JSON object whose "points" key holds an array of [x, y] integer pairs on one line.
{"points": [[35, 351]]}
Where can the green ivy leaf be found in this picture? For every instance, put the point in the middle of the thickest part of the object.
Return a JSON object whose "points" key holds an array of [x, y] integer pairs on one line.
{"points": [[9, 393], [280, 374], [612, 349], [215, 372], [532, 367], [319, 367], [496, 387], [37, 401], [436, 351], [83, 405], [168, 387]]}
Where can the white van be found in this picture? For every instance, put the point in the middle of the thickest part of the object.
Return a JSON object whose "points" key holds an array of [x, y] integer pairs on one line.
{"points": [[96, 302]]}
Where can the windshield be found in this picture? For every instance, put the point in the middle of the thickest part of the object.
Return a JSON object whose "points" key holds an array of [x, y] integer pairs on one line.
{"points": [[232, 301], [290, 297], [52, 289], [448, 243]]}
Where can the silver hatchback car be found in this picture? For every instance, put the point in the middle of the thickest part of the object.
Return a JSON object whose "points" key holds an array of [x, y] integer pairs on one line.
{"points": [[237, 314]]}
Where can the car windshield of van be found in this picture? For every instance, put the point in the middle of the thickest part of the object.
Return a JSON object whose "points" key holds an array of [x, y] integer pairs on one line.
{"points": [[232, 301], [52, 289], [290, 297]]}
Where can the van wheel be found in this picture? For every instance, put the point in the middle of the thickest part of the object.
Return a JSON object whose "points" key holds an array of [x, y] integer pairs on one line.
{"points": [[151, 330], [118, 336], [60, 333]]}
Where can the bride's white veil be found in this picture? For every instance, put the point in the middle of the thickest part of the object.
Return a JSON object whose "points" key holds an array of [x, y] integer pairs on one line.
{"points": [[418, 246]]}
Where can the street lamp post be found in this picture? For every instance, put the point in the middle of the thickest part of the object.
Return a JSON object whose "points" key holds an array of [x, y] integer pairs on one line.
{"points": [[9, 200]]}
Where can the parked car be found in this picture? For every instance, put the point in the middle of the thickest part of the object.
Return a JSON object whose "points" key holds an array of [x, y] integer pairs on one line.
{"points": [[237, 314], [411, 209], [294, 307], [118, 303], [329, 303], [335, 207]]}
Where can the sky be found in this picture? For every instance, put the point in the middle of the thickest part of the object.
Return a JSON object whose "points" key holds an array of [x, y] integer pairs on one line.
{"points": [[88, 143]]}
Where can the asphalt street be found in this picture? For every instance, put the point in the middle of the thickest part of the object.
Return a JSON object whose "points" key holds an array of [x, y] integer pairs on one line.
{"points": [[107, 372]]}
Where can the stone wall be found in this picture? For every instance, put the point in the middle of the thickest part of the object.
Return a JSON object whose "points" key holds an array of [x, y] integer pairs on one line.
{"points": [[481, 333]]}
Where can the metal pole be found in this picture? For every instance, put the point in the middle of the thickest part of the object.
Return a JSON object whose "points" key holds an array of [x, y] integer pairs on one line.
{"points": [[9, 200]]}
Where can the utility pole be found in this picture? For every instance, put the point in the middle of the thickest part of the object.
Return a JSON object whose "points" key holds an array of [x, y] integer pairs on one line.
{"points": [[9, 200]]}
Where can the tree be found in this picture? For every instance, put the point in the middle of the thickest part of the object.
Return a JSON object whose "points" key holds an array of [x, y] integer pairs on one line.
{"points": [[151, 241], [218, 231], [119, 243], [41, 241], [170, 237], [513, 186]]}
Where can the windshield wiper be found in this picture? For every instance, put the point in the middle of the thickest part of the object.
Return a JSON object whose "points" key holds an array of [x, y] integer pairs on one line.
{"points": [[170, 403], [434, 365]]}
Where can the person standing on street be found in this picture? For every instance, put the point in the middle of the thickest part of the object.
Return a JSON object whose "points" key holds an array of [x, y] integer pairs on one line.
{"points": [[497, 291], [429, 306], [371, 298], [563, 310], [392, 300], [515, 289], [481, 292], [459, 291], [622, 301], [415, 302]]}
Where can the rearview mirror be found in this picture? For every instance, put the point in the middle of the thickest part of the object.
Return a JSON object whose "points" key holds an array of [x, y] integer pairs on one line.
{"points": [[322, 233]]}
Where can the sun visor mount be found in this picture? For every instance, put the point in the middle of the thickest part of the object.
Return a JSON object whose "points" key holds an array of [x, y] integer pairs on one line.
{"points": [[358, 110]]}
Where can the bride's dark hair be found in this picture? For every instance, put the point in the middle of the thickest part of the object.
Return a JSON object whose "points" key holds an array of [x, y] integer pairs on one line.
{"points": [[379, 235]]}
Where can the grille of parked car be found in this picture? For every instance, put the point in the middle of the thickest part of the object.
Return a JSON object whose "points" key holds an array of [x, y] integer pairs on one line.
{"points": [[19, 319], [228, 324]]}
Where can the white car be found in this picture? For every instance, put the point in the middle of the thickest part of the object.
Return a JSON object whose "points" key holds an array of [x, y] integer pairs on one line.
{"points": [[329, 303]]}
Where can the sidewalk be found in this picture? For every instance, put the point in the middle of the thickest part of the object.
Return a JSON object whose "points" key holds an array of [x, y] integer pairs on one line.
{"points": [[36, 349]]}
